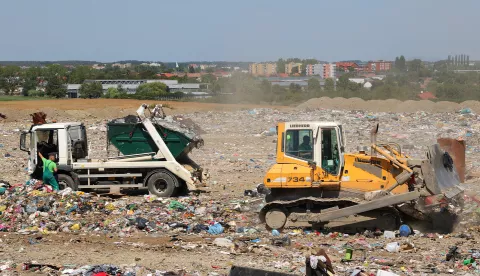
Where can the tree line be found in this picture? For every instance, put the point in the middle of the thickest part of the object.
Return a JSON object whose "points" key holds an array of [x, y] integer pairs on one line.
{"points": [[404, 81]]}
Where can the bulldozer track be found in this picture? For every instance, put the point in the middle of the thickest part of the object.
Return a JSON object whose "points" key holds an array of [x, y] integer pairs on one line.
{"points": [[327, 202]]}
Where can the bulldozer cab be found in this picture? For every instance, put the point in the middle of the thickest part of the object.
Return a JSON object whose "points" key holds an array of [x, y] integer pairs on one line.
{"points": [[316, 144]]}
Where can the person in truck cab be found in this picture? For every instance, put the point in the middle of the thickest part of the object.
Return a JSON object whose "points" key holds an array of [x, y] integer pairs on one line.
{"points": [[49, 167]]}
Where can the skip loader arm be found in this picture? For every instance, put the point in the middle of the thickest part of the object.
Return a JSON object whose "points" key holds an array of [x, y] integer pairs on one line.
{"points": [[163, 152]]}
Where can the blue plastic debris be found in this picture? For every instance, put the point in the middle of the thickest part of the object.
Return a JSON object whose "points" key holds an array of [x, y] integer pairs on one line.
{"points": [[215, 229]]}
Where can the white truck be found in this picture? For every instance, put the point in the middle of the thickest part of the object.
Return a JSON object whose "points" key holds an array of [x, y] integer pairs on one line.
{"points": [[145, 158]]}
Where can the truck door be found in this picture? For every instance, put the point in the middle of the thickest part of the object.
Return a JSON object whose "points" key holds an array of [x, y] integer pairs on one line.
{"points": [[27, 144]]}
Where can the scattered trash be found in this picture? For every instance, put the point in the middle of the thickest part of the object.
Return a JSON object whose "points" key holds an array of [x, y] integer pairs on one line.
{"points": [[389, 234], [223, 242], [392, 247], [385, 273], [405, 230], [465, 110], [215, 229], [284, 241]]}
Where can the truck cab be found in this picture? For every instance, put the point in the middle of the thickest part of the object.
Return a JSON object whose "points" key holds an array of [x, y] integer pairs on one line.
{"points": [[68, 141]]}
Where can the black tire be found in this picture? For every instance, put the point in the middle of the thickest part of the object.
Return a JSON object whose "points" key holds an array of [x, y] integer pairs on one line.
{"points": [[64, 181], [162, 184]]}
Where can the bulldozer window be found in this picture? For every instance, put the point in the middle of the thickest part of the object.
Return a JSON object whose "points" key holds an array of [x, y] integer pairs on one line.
{"points": [[330, 151], [298, 143]]}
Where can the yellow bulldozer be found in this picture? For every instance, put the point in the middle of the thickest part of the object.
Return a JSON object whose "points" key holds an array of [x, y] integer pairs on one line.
{"points": [[315, 183]]}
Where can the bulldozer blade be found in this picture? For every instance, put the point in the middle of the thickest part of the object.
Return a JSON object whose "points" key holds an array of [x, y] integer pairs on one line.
{"points": [[439, 173], [368, 206], [456, 149]]}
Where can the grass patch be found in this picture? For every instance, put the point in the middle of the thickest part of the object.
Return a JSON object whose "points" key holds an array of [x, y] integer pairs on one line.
{"points": [[20, 98]]}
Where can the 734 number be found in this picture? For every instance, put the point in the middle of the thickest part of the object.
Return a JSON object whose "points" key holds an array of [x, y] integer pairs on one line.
{"points": [[296, 179]]}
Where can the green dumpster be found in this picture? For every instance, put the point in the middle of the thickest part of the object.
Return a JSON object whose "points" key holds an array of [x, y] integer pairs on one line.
{"points": [[132, 138]]}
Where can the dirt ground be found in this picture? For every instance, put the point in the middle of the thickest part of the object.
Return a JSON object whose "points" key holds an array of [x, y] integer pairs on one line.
{"points": [[237, 153]]}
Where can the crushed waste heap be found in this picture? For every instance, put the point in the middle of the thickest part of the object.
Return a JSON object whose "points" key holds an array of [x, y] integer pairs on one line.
{"points": [[32, 208]]}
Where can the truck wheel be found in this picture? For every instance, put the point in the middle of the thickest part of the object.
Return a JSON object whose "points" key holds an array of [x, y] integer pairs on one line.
{"points": [[65, 181], [162, 184]]}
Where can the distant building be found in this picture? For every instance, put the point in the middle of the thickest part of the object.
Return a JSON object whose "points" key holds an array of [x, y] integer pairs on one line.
{"points": [[328, 70], [262, 69], [153, 64], [122, 66], [287, 81], [129, 85], [205, 66], [357, 80], [346, 65], [367, 85], [310, 70], [98, 66], [324, 70], [426, 95], [379, 66], [289, 67]]}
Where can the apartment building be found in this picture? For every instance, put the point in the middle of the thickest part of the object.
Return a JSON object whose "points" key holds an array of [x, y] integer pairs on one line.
{"points": [[379, 66], [328, 70], [324, 70], [262, 69]]}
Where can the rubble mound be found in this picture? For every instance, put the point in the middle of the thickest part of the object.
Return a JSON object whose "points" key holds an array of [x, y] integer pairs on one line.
{"points": [[103, 269], [31, 208]]}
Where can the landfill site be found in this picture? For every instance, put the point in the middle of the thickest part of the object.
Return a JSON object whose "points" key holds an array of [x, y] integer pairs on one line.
{"points": [[371, 195]]}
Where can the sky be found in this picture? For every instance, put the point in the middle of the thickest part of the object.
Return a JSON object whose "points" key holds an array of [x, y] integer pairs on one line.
{"points": [[246, 30]]}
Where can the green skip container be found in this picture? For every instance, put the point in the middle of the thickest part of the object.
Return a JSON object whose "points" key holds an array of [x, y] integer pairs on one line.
{"points": [[133, 139]]}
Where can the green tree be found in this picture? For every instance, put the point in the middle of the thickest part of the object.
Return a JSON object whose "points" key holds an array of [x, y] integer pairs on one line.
{"points": [[112, 93], [402, 63], [343, 81], [208, 78], [55, 87], [281, 66], [329, 84], [191, 69], [295, 88], [10, 79], [29, 84], [35, 93], [314, 85], [415, 65], [80, 74], [91, 90], [152, 90], [295, 70], [122, 92]]}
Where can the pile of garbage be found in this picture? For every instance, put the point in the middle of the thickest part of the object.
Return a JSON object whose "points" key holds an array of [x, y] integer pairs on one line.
{"points": [[175, 123], [86, 270], [33, 208]]}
